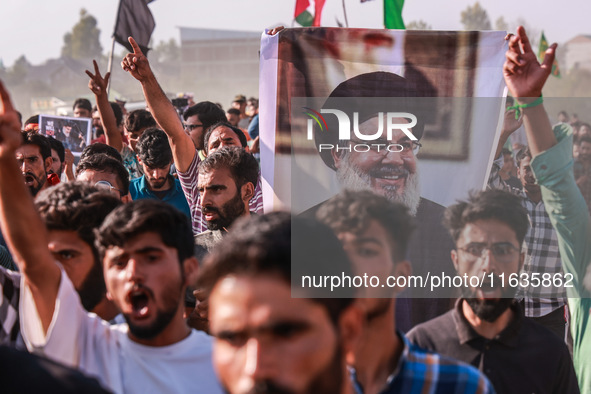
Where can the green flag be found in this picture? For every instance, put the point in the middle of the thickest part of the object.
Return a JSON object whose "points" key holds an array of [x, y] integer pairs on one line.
{"points": [[393, 14], [305, 18], [542, 50]]}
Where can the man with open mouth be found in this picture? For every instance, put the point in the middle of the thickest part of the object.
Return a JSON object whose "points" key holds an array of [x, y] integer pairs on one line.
{"points": [[34, 158], [487, 328]]}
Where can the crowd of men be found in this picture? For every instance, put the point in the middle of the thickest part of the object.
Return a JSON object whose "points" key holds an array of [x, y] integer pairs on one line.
{"points": [[151, 267]]}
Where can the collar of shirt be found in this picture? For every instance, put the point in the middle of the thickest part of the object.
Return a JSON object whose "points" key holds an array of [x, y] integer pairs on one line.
{"points": [[508, 337]]}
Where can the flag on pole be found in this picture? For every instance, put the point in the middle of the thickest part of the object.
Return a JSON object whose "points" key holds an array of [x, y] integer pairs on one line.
{"points": [[134, 19], [393, 14], [542, 50], [304, 17]]}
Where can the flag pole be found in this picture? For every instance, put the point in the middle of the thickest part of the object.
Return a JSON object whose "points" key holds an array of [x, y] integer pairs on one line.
{"points": [[345, 12], [110, 64]]}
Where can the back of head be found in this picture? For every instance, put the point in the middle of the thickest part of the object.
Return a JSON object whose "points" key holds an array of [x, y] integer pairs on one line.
{"points": [[99, 147], [75, 206], [117, 112], [104, 163], [147, 216], [492, 204], [352, 211], [153, 148], [32, 138], [82, 103], [139, 119], [242, 165], [286, 247], [208, 113]]}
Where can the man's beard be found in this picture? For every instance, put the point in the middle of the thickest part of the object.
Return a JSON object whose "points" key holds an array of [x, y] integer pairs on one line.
{"points": [[92, 290], [158, 183], [227, 214], [171, 299], [488, 310], [351, 177], [38, 183], [329, 380]]}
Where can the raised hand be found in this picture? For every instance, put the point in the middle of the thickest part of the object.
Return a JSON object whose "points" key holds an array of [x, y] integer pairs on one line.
{"points": [[136, 63], [10, 133], [524, 75], [97, 83]]}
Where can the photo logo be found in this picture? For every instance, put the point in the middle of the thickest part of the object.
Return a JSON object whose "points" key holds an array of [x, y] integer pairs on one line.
{"points": [[346, 126]]}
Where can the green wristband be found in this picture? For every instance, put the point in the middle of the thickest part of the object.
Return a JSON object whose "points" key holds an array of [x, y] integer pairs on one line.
{"points": [[517, 107]]}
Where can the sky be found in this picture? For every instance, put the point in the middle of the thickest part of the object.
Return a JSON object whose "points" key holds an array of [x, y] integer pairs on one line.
{"points": [[36, 28]]}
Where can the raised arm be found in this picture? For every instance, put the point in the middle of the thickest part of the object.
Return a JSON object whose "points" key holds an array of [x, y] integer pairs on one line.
{"points": [[183, 150], [525, 78], [22, 227], [98, 85]]}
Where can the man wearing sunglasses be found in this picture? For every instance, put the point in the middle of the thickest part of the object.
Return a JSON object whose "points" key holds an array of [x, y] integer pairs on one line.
{"points": [[487, 327]]}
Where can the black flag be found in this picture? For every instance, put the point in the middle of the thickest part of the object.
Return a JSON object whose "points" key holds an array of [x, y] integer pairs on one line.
{"points": [[134, 19]]}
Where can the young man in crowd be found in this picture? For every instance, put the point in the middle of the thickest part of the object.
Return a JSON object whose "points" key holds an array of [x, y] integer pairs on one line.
{"points": [[552, 166], [147, 252], [186, 157], [375, 233], [267, 341], [155, 158], [34, 159], [487, 327], [104, 172]]}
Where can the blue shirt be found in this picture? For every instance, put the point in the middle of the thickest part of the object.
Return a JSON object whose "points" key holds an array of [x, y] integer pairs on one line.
{"points": [[419, 371], [569, 216], [138, 188]]}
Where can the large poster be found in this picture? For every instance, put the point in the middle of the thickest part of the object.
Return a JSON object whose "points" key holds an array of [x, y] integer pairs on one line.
{"points": [[74, 133], [410, 115], [456, 77]]}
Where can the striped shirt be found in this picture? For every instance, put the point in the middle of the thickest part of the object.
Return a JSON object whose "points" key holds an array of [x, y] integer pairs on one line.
{"points": [[420, 371], [188, 181]]}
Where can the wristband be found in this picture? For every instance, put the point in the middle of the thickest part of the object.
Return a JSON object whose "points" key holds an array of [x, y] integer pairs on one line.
{"points": [[517, 107]]}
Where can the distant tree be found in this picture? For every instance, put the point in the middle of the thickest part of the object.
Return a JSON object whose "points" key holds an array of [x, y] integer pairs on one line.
{"points": [[19, 70], [500, 24], [83, 42], [475, 18], [166, 51], [418, 25]]}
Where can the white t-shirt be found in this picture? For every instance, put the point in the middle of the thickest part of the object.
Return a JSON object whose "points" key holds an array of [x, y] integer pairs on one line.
{"points": [[83, 340]]}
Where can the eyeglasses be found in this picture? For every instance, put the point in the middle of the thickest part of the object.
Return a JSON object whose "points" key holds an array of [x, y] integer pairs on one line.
{"points": [[105, 185], [503, 251], [381, 147], [191, 127]]}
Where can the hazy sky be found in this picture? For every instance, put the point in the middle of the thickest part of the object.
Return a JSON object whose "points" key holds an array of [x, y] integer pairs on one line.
{"points": [[36, 28]]}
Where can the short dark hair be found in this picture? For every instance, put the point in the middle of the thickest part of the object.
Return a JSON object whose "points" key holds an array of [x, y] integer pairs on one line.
{"points": [[143, 216], [208, 112], [492, 204], [153, 148], [242, 165], [32, 119], [233, 111], [32, 138], [506, 151], [351, 211], [76, 206], [57, 146], [99, 147], [522, 154], [118, 113], [287, 247], [138, 120], [225, 123], [104, 163], [82, 103], [583, 138]]}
